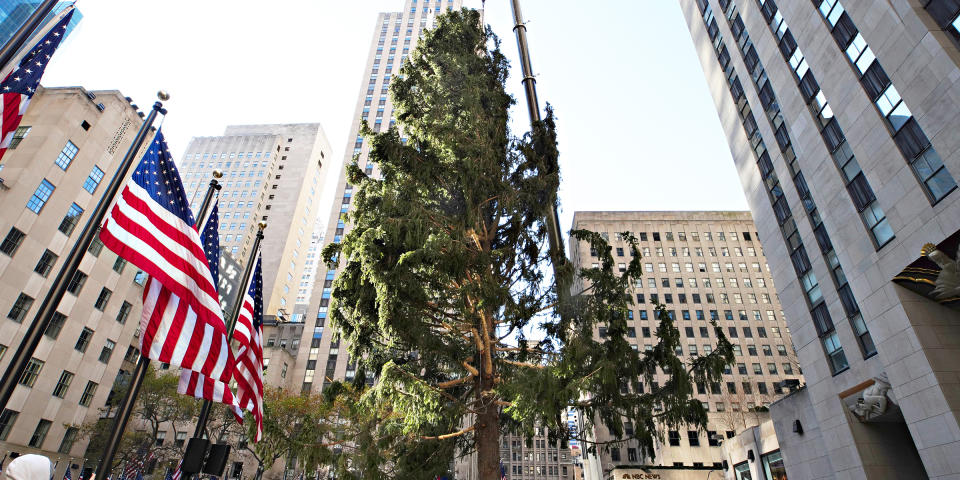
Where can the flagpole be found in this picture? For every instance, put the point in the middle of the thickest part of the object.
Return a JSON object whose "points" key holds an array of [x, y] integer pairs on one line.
{"points": [[136, 381], [201, 218], [48, 307], [24, 33], [231, 325], [557, 253]]}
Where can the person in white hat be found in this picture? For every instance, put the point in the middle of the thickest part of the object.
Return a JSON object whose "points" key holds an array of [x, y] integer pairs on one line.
{"points": [[29, 467]]}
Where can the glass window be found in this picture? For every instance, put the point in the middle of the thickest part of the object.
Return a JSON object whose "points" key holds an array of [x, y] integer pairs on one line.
{"points": [[40, 433], [773, 466], [60, 390], [93, 180], [45, 264], [12, 241], [7, 419], [88, 392], [70, 220], [20, 308], [40, 196], [67, 155], [84, 340], [18, 136], [30, 375]]}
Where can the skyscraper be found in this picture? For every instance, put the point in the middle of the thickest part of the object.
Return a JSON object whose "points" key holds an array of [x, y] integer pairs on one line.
{"points": [[395, 35], [272, 173], [842, 117], [67, 148], [13, 13], [702, 266]]}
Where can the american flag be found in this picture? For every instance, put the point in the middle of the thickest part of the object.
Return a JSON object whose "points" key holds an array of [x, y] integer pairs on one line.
{"points": [[249, 369], [151, 226], [66, 475], [249, 337], [191, 382], [20, 85], [176, 472]]}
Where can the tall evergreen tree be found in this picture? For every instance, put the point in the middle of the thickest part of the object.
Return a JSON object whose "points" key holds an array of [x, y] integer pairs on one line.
{"points": [[443, 273]]}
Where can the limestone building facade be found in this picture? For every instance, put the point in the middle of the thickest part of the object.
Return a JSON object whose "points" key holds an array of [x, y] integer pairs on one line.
{"points": [[61, 159], [701, 266], [843, 117]]}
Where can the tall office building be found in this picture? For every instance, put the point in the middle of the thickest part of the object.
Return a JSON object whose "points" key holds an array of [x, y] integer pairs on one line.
{"points": [[68, 146], [395, 35], [843, 117], [271, 173], [13, 13], [701, 266]]}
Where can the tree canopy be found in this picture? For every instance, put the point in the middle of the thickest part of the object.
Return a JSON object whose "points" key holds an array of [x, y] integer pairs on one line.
{"points": [[445, 272]]}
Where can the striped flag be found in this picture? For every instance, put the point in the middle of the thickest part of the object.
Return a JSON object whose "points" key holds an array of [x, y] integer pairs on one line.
{"points": [[19, 86], [248, 372], [249, 337], [151, 226], [191, 382], [66, 475], [176, 472]]}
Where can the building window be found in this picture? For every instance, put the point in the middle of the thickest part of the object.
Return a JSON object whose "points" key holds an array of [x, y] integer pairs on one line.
{"points": [[45, 264], [84, 340], [67, 155], [88, 392], [694, 437], [18, 136], [40, 433], [773, 465], [674, 438], [60, 390], [119, 264], [69, 437], [12, 242], [76, 283], [7, 419], [40, 196], [124, 312], [180, 439], [56, 324], [107, 351], [20, 308], [31, 373], [93, 180], [70, 220], [103, 299]]}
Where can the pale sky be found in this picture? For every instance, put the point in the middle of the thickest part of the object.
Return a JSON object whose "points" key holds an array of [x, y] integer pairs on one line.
{"points": [[637, 128]]}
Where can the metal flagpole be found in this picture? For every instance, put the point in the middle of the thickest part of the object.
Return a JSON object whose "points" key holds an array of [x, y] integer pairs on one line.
{"points": [[136, 381], [557, 253], [231, 325], [23, 34], [48, 307]]}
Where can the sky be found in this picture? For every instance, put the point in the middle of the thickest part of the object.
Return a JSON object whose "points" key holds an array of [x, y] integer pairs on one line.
{"points": [[637, 128]]}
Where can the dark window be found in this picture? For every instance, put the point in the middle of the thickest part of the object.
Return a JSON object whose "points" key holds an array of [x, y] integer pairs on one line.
{"points": [[694, 438], [84, 340], [40, 433], [124, 312], [56, 324], [12, 242], [844, 31], [76, 283], [20, 308], [103, 299], [7, 419], [674, 438], [875, 81], [45, 264]]}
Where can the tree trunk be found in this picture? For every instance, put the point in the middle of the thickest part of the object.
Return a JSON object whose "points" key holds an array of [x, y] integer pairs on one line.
{"points": [[488, 442]]}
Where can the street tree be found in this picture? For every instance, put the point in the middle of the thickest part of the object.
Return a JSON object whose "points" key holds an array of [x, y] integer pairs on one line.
{"points": [[446, 270]]}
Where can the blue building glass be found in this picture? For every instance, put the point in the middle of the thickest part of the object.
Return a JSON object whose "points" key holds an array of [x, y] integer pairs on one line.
{"points": [[14, 12]]}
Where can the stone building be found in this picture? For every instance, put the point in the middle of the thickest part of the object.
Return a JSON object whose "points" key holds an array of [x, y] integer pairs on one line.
{"points": [[843, 118], [60, 161], [272, 173], [701, 266]]}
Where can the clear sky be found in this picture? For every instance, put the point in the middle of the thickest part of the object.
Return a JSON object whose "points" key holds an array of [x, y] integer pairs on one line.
{"points": [[637, 128]]}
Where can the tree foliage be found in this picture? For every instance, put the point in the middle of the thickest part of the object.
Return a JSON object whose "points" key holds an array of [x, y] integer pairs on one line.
{"points": [[443, 272]]}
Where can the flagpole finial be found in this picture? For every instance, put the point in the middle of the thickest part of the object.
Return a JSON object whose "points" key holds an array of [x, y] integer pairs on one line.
{"points": [[262, 225], [217, 174], [163, 95]]}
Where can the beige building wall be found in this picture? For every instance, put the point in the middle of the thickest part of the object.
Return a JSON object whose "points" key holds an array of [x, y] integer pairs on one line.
{"points": [[915, 338], [101, 125], [700, 265]]}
